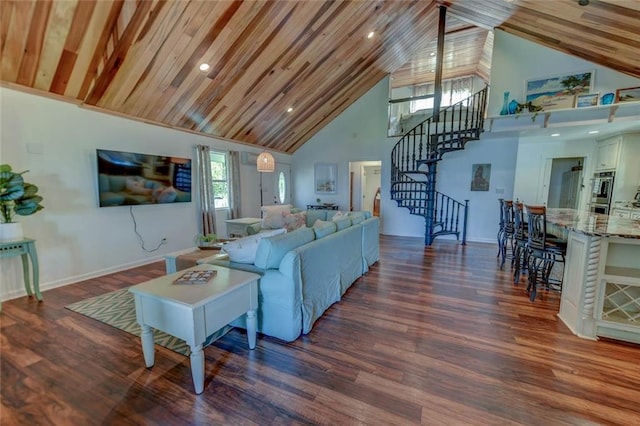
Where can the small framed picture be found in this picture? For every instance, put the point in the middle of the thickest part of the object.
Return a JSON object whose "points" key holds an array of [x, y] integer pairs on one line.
{"points": [[326, 176], [630, 94], [587, 100]]}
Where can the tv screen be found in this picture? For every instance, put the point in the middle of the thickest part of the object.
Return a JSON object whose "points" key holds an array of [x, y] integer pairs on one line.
{"points": [[129, 178]]}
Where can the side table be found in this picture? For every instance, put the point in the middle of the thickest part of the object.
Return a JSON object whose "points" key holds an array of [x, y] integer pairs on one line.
{"points": [[322, 207], [26, 248]]}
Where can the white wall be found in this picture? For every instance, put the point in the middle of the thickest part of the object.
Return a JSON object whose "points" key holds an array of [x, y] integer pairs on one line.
{"points": [[359, 134], [516, 60], [76, 239]]}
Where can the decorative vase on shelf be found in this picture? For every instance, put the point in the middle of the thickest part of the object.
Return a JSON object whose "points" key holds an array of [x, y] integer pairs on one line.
{"points": [[505, 104], [607, 99], [513, 106]]}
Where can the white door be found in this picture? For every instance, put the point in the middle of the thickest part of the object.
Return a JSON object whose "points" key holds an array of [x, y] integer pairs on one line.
{"points": [[276, 186]]}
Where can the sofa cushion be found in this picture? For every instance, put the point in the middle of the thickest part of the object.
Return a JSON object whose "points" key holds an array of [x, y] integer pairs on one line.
{"points": [[293, 221], [342, 222], [356, 217], [272, 215], [244, 249], [271, 250], [313, 215], [323, 228]]}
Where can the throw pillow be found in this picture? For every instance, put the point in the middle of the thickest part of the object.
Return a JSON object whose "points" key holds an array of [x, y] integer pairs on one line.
{"points": [[292, 221], [272, 215], [338, 215], [244, 249]]}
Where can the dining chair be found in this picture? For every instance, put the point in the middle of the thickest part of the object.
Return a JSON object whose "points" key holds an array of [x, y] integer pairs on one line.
{"points": [[520, 238], [506, 242], [500, 226], [544, 252]]}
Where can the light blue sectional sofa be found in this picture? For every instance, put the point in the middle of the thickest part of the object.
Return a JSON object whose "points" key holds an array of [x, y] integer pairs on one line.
{"points": [[305, 271]]}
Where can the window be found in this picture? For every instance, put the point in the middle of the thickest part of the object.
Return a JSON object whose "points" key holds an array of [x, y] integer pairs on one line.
{"points": [[220, 178], [282, 187]]}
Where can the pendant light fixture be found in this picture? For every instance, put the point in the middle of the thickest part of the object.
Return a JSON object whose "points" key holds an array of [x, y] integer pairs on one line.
{"points": [[266, 162]]}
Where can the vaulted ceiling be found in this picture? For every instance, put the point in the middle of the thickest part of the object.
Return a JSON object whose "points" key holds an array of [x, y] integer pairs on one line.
{"points": [[279, 70]]}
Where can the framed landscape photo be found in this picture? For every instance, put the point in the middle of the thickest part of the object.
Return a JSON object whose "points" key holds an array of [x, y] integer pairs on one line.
{"points": [[559, 91], [630, 94], [326, 178], [587, 100]]}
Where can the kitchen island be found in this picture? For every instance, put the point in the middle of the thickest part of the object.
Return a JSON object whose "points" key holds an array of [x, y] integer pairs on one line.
{"points": [[601, 284]]}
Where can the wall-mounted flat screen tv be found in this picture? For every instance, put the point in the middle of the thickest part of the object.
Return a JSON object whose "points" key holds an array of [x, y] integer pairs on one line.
{"points": [[129, 178]]}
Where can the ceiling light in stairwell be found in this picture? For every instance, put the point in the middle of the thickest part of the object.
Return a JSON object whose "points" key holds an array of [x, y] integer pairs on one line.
{"points": [[204, 67], [553, 135], [289, 109], [593, 132], [432, 54], [371, 34]]}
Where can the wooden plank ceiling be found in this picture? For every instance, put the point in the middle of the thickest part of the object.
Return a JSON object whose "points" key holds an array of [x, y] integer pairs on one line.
{"points": [[141, 58]]}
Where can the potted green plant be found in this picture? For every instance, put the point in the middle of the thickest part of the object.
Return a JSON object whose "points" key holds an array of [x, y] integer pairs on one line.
{"points": [[17, 197], [207, 240]]}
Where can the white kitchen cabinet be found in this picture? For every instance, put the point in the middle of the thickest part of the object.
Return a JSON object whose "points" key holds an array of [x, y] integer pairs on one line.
{"points": [[607, 154], [618, 312], [627, 173], [618, 212]]}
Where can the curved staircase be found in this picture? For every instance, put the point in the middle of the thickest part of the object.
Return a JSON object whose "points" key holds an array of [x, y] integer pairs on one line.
{"points": [[414, 162]]}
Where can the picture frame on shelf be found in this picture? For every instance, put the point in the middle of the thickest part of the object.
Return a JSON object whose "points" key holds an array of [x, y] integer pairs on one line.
{"points": [[587, 100], [629, 94], [558, 91], [325, 178]]}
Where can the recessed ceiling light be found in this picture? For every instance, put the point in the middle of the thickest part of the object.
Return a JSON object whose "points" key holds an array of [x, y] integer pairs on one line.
{"points": [[371, 34], [553, 135], [593, 132], [289, 109], [432, 54], [204, 67]]}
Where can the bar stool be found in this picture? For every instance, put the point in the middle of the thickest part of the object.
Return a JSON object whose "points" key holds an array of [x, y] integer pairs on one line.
{"points": [[500, 226], [543, 251], [507, 232], [520, 237]]}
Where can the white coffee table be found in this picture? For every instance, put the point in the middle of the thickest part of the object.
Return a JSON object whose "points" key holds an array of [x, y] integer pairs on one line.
{"points": [[193, 312]]}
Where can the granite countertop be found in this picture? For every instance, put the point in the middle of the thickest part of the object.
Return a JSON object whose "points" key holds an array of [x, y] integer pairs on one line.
{"points": [[589, 223]]}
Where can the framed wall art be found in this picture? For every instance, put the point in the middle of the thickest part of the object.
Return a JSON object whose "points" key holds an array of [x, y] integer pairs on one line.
{"points": [[326, 178], [590, 99], [559, 91], [630, 94], [480, 177]]}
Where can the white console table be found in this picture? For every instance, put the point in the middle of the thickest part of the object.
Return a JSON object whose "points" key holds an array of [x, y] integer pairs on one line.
{"points": [[238, 227]]}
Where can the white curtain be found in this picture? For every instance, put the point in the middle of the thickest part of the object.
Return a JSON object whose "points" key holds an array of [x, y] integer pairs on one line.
{"points": [[234, 184], [205, 189]]}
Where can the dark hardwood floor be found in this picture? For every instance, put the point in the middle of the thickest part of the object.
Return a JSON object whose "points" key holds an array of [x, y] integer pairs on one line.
{"points": [[429, 336]]}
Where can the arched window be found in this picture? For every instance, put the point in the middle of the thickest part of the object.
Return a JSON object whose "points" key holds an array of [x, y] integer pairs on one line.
{"points": [[282, 187]]}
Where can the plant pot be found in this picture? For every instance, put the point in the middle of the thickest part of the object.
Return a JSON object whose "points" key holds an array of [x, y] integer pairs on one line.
{"points": [[11, 231]]}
